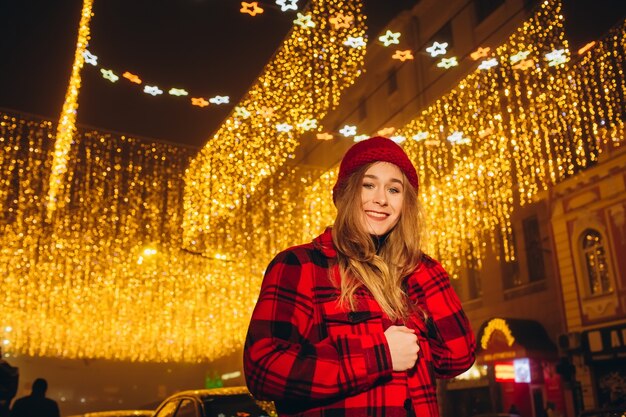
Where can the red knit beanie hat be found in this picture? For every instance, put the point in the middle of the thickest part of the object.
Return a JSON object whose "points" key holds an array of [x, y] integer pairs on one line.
{"points": [[376, 149]]}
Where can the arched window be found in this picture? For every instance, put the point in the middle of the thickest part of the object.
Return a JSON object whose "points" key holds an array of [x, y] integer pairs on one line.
{"points": [[595, 262]]}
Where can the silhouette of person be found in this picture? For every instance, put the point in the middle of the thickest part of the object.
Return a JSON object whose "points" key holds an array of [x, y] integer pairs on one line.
{"points": [[9, 376], [36, 404], [513, 411]]}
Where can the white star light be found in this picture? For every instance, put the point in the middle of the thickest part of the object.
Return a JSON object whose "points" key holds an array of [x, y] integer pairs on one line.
{"points": [[448, 62], [284, 127], [488, 63], [390, 38], [359, 138], [219, 99], [152, 89], [420, 136], [456, 138], [348, 130], [242, 112], [178, 92], [308, 124], [90, 58], [557, 57], [437, 49], [355, 42], [287, 5], [520, 56], [398, 139], [306, 21], [109, 75]]}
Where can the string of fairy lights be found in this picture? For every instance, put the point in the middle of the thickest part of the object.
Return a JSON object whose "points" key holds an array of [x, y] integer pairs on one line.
{"points": [[108, 278]]}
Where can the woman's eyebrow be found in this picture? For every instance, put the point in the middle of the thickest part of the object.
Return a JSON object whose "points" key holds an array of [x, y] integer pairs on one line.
{"points": [[374, 177]]}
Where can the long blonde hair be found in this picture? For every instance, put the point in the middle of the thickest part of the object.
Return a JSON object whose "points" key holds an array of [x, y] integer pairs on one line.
{"points": [[381, 273]]}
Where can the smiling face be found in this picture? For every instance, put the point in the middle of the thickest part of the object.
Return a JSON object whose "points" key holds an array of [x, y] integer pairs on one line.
{"points": [[382, 195]]}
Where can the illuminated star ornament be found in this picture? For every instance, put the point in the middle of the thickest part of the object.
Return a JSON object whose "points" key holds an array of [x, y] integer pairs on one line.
{"points": [[448, 62], [251, 8], [360, 138], [178, 92], [457, 138], [420, 136], [390, 38], [90, 58], [348, 130], [266, 112], [109, 75], [355, 42], [341, 20], [480, 53], [284, 127], [219, 99], [242, 112], [304, 20], [398, 139], [403, 55], [287, 5], [386, 131], [324, 136], [153, 90], [520, 56], [524, 65], [488, 63], [557, 57], [200, 102], [308, 124], [437, 49], [132, 77]]}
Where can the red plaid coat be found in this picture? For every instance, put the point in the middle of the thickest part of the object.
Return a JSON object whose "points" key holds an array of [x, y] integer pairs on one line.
{"points": [[314, 358]]}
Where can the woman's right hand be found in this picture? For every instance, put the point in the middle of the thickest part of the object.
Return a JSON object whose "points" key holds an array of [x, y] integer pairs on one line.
{"points": [[403, 346]]}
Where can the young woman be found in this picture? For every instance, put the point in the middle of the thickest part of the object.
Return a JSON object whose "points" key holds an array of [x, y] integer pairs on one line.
{"points": [[359, 322]]}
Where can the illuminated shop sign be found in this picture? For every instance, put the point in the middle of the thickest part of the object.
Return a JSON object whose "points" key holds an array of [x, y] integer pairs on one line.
{"points": [[517, 370]]}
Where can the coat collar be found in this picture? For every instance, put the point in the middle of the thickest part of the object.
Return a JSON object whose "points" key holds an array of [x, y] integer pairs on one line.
{"points": [[324, 243]]}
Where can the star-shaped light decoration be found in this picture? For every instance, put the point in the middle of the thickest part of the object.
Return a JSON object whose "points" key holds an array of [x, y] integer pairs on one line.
{"points": [[341, 20], [178, 92], [304, 20], [219, 99], [386, 131], [242, 112], [132, 77], [524, 65], [420, 136], [485, 132], [199, 101], [488, 63], [266, 112], [448, 62], [456, 138], [390, 38], [90, 58], [287, 5], [324, 136], [432, 142], [557, 57], [109, 75], [480, 53], [251, 8], [586, 47], [520, 56], [437, 49], [398, 139], [348, 130], [355, 42], [153, 90], [359, 138], [284, 127], [403, 55], [308, 124]]}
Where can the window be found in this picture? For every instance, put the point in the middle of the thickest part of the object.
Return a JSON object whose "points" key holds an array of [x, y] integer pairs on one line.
{"points": [[595, 263], [168, 409], [510, 269], [534, 250], [187, 409], [485, 7], [392, 82]]}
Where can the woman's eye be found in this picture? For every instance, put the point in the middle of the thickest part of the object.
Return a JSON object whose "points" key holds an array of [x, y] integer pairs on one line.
{"points": [[394, 190], [368, 185]]}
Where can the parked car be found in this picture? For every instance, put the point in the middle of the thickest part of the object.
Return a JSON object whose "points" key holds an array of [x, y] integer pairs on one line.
{"points": [[118, 413], [215, 402], [604, 412]]}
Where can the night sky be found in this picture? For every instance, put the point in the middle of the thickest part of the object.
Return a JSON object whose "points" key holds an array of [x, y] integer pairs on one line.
{"points": [[205, 46]]}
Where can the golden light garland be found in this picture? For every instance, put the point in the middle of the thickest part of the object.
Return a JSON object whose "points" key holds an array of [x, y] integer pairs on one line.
{"points": [[108, 278], [298, 87], [67, 121]]}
